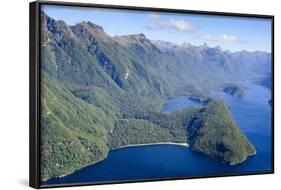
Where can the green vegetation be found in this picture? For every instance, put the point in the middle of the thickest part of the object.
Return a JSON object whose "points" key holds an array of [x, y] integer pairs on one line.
{"points": [[100, 93], [135, 131], [152, 127], [74, 132], [210, 130], [213, 132]]}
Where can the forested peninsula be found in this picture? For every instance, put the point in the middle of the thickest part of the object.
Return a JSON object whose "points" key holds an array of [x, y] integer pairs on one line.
{"points": [[102, 92]]}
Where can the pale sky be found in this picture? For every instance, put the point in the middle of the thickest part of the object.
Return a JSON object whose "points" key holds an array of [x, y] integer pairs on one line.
{"points": [[232, 33]]}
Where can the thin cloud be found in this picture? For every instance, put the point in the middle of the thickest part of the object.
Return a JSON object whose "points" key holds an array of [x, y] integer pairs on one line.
{"points": [[153, 15], [156, 24], [173, 25], [226, 38], [180, 25]]}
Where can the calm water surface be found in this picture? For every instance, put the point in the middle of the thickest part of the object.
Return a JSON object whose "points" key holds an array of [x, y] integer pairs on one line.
{"points": [[251, 112]]}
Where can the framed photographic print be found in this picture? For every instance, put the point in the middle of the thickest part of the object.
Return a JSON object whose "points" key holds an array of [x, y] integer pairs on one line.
{"points": [[130, 94]]}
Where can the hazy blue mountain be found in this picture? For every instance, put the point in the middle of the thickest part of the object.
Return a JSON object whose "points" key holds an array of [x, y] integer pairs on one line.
{"points": [[256, 63], [266, 81], [242, 65], [102, 92]]}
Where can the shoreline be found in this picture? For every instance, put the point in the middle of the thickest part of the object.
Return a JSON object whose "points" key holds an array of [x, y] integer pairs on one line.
{"points": [[157, 143], [61, 176], [130, 145], [249, 155]]}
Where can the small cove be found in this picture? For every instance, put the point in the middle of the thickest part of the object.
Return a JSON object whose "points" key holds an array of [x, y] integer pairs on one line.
{"points": [[251, 112]]}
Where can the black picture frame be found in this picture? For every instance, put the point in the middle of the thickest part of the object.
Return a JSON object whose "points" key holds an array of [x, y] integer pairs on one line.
{"points": [[34, 86]]}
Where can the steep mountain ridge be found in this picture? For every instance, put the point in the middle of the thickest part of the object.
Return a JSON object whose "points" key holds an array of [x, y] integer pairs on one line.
{"points": [[96, 86]]}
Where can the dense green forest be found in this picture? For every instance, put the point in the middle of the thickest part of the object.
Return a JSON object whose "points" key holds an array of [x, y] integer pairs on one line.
{"points": [[152, 127], [101, 92], [214, 132]]}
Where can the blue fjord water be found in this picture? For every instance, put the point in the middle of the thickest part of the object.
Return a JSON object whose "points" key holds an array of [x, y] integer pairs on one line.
{"points": [[251, 112]]}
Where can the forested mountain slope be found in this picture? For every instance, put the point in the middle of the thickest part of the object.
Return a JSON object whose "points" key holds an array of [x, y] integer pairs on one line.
{"points": [[101, 92]]}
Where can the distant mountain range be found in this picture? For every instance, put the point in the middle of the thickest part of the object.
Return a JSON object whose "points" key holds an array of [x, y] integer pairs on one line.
{"points": [[95, 85]]}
